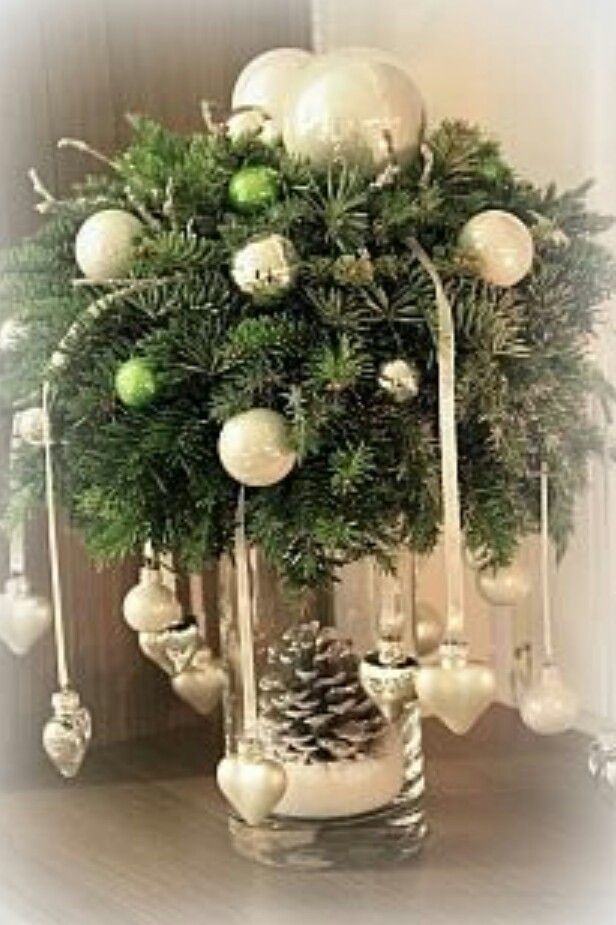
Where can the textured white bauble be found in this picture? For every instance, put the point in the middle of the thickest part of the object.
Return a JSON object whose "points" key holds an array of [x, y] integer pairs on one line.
{"points": [[504, 587], [548, 706], [24, 617], [12, 332], [104, 245], [361, 112], [267, 80], [265, 267], [246, 123], [254, 448], [151, 606], [399, 379], [29, 426], [501, 245]]}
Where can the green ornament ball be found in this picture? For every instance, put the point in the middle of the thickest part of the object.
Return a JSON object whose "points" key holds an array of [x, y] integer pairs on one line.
{"points": [[253, 188], [135, 383]]}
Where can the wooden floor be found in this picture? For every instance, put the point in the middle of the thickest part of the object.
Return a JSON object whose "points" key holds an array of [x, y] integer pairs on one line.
{"points": [[518, 835]]}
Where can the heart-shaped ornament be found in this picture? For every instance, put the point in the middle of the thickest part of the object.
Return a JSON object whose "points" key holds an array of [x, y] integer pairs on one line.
{"points": [[457, 691], [173, 648], [67, 734], [201, 684], [252, 784], [24, 617]]}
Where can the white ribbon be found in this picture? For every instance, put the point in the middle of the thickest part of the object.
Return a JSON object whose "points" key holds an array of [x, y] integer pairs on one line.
{"points": [[245, 623], [546, 617]]}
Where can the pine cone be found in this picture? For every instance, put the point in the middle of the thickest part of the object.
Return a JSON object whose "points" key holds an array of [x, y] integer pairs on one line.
{"points": [[313, 707]]}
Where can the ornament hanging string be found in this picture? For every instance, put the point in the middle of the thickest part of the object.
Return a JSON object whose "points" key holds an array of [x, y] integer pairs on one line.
{"points": [[452, 526], [17, 538], [245, 613], [54, 555], [548, 648]]}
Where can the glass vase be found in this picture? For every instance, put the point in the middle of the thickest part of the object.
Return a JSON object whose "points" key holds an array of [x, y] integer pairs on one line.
{"points": [[353, 812]]}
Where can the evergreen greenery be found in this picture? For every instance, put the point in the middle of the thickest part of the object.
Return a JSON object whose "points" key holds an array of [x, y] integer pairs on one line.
{"points": [[369, 467]]}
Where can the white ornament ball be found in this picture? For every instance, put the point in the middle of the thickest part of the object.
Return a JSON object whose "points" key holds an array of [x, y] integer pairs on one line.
{"points": [[104, 245], [151, 606], [29, 426], [12, 332], [504, 587], [400, 379], [361, 112], [501, 245], [254, 448], [265, 267], [246, 123], [266, 81], [548, 706]]}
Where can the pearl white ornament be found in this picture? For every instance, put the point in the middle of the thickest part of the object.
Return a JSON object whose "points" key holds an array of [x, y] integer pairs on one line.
{"points": [[501, 245], [150, 606], [265, 267], [265, 82], [252, 783], [362, 112], [548, 706], [254, 448], [400, 379], [200, 684], [105, 244], [456, 690], [504, 587], [29, 426], [12, 332], [24, 617], [246, 123]]}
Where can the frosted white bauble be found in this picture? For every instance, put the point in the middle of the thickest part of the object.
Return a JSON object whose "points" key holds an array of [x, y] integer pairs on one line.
{"points": [[151, 606], [504, 587], [104, 245], [357, 111], [29, 426], [548, 706], [12, 332], [265, 267], [266, 81], [254, 448], [501, 245]]}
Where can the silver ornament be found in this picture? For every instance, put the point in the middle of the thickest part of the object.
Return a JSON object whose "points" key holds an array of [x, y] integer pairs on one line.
{"points": [[151, 606], [500, 244], [104, 247], [364, 112], [399, 379], [12, 333], [548, 706], [265, 82], [504, 587], [24, 617], [29, 426], [254, 447], [172, 649], [266, 267], [202, 682], [67, 734]]}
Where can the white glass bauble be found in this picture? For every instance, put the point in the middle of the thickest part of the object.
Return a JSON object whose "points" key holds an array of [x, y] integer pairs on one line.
{"points": [[501, 245], [151, 606], [29, 426], [12, 332], [254, 447], [265, 267], [24, 617], [104, 245], [504, 587], [358, 111], [399, 379], [267, 80], [548, 706]]}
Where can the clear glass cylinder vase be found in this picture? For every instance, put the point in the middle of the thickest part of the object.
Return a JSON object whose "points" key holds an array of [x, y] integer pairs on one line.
{"points": [[347, 808]]}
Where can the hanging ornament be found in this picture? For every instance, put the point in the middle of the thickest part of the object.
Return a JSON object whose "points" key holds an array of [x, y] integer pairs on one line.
{"points": [[429, 629], [252, 783], [29, 426], [151, 606], [173, 648], [602, 762], [67, 734], [12, 333], [500, 244], [547, 706], [399, 379], [201, 683], [254, 188], [105, 244], [266, 267], [265, 82], [456, 690], [365, 113], [135, 383], [504, 587], [254, 448], [24, 617]]}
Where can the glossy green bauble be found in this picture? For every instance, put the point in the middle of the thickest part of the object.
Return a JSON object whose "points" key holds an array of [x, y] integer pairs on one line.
{"points": [[135, 383], [253, 188]]}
